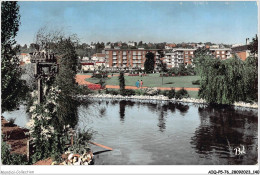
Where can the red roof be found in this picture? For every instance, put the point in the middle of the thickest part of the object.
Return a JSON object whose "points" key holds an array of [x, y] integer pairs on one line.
{"points": [[100, 62], [24, 53]]}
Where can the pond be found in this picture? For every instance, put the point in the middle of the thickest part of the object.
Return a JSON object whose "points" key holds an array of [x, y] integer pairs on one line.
{"points": [[166, 133]]}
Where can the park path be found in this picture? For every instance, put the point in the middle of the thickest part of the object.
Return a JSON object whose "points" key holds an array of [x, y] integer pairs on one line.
{"points": [[80, 79]]}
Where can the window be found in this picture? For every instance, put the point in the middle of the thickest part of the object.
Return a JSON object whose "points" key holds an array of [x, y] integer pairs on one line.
{"points": [[186, 52], [223, 52], [191, 52], [223, 56], [217, 52], [186, 56]]}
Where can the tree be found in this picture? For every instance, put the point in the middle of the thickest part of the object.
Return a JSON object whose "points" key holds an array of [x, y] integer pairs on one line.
{"points": [[149, 62], [190, 69], [13, 88], [222, 81], [121, 79], [162, 65], [253, 47], [201, 51]]}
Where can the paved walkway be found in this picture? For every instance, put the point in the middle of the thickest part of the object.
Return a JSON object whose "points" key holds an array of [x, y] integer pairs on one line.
{"points": [[80, 79]]}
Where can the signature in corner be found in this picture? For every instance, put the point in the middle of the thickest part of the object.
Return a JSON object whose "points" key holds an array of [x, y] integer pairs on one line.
{"points": [[240, 150]]}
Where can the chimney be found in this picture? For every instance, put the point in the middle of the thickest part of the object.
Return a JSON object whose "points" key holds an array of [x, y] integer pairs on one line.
{"points": [[247, 41]]}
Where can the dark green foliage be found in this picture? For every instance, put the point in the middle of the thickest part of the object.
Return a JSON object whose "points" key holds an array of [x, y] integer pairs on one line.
{"points": [[182, 93], [128, 92], [12, 87], [253, 47], [121, 79], [196, 82], [149, 62], [202, 51], [11, 159], [112, 91], [227, 81], [251, 79], [102, 83], [171, 93], [182, 70]]}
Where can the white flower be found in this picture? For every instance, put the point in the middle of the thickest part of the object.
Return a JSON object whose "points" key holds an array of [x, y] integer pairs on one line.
{"points": [[32, 108], [51, 129], [30, 124]]}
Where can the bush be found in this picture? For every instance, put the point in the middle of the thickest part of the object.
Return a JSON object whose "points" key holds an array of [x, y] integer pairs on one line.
{"points": [[112, 91], [99, 75], [84, 90], [171, 93], [128, 92], [182, 93], [11, 159], [139, 92], [196, 82]]}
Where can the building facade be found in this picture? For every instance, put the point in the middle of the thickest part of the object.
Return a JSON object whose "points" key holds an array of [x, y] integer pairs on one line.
{"points": [[135, 58], [128, 58]]}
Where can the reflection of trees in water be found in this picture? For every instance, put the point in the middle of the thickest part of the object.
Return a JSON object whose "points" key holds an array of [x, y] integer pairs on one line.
{"points": [[223, 129], [122, 105], [182, 108]]}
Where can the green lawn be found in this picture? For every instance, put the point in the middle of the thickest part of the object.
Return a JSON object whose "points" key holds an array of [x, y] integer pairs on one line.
{"points": [[153, 80]]}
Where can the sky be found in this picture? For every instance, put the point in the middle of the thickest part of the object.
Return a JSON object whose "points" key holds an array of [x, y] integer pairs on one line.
{"points": [[173, 22]]}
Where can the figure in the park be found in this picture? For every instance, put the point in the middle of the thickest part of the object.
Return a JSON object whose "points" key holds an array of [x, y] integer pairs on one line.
{"points": [[141, 83], [137, 84]]}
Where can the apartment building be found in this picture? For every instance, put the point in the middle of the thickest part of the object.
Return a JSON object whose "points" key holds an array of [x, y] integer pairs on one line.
{"points": [[179, 56], [223, 54], [185, 56], [128, 58]]}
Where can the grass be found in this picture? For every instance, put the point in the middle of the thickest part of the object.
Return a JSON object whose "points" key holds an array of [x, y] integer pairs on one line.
{"points": [[193, 94], [153, 80]]}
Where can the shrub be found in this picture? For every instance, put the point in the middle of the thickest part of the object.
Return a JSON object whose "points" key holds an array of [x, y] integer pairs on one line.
{"points": [[171, 93], [99, 75], [11, 159], [165, 93], [102, 83], [182, 93], [113, 92], [84, 90], [128, 92], [139, 92], [196, 82]]}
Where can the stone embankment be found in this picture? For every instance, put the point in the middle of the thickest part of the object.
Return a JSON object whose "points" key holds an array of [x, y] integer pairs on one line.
{"points": [[158, 98]]}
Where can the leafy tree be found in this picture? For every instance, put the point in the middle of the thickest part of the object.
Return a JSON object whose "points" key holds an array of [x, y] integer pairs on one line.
{"points": [[190, 69], [121, 79], [253, 47], [13, 88], [222, 81], [149, 62], [201, 51], [251, 78]]}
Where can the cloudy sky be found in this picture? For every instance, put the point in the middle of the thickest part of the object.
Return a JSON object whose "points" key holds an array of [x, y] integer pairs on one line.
{"points": [[219, 22]]}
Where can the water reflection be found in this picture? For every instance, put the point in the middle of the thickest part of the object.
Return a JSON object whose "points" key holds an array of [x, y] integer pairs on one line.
{"points": [[122, 105], [222, 130]]}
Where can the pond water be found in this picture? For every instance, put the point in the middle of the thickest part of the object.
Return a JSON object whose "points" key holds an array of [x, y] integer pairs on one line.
{"points": [[165, 133]]}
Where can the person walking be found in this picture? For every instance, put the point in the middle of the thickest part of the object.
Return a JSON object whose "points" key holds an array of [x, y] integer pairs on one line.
{"points": [[137, 84], [141, 83]]}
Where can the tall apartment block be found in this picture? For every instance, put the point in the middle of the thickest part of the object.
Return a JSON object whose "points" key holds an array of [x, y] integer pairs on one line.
{"points": [[185, 56], [128, 58], [135, 58]]}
